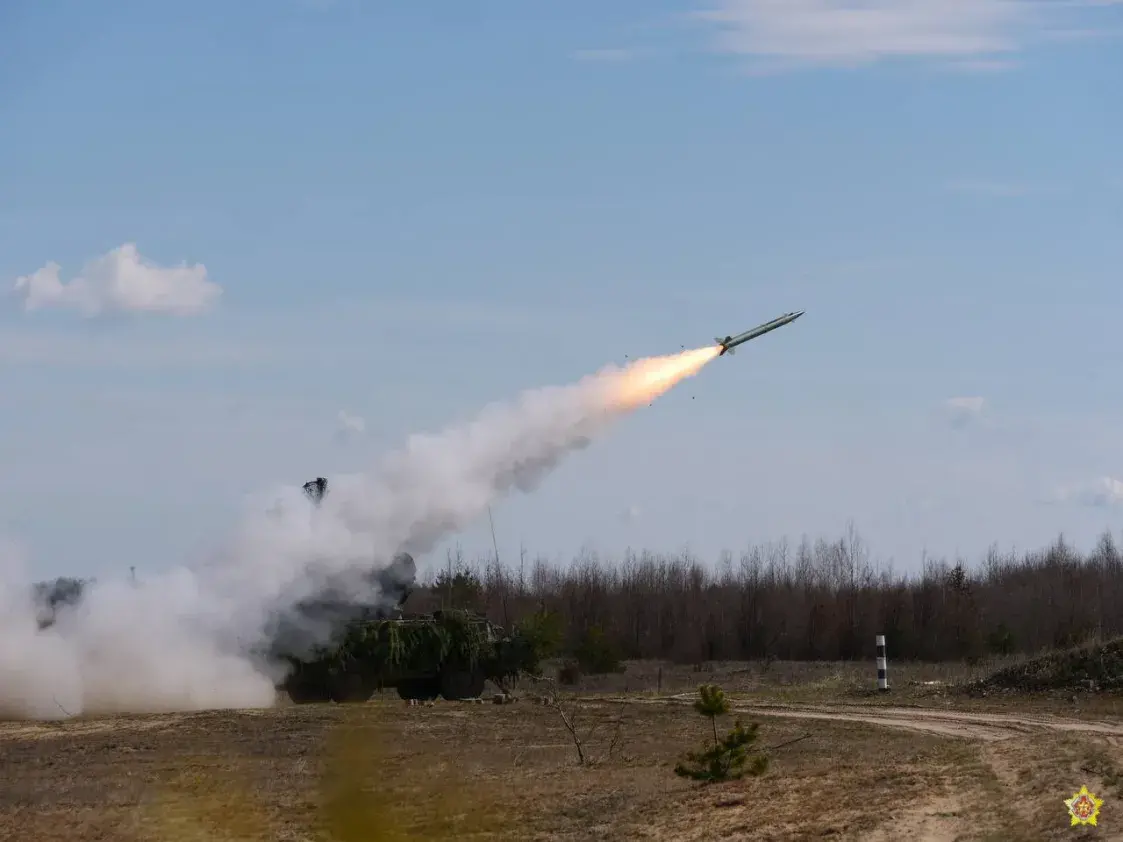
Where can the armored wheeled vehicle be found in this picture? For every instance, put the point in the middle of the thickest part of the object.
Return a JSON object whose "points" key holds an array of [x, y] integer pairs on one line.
{"points": [[449, 653]]}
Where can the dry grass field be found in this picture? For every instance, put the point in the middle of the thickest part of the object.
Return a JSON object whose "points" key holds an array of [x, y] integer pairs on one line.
{"points": [[919, 763]]}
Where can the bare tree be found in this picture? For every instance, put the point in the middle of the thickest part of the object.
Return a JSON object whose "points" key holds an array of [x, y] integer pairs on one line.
{"points": [[820, 600]]}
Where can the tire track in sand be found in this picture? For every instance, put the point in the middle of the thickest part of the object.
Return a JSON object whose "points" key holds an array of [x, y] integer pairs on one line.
{"points": [[969, 725]]}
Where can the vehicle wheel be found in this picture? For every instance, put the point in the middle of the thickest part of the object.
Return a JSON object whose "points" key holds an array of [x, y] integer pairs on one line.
{"points": [[462, 684], [351, 687], [422, 689], [305, 690]]}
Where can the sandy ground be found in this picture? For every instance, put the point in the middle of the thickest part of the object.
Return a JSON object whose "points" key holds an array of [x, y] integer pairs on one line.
{"points": [[918, 764]]}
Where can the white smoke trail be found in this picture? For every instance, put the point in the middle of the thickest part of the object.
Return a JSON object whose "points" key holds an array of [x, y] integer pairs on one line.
{"points": [[183, 640]]}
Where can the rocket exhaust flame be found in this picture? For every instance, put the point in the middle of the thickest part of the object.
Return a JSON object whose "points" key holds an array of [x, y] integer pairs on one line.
{"points": [[646, 379]]}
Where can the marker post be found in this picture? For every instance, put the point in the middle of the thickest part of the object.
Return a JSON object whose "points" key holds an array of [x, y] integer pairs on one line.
{"points": [[882, 665]]}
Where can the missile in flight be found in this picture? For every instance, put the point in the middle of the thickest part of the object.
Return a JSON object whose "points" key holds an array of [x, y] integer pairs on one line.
{"points": [[730, 342]]}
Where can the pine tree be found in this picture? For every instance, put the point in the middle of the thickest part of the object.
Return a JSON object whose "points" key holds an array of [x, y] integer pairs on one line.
{"points": [[729, 756]]}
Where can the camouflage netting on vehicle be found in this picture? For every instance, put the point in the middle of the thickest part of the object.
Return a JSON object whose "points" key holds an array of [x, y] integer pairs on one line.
{"points": [[448, 636], [1096, 667], [451, 653], [413, 644]]}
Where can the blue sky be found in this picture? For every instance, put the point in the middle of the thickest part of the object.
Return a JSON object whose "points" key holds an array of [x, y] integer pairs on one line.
{"points": [[403, 212]]}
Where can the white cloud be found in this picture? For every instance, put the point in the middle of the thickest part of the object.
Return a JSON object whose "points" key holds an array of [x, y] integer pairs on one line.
{"points": [[963, 410], [121, 281], [349, 426], [631, 514], [1102, 493], [967, 34]]}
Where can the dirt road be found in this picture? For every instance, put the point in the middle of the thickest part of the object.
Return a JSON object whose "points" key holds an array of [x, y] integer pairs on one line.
{"points": [[974, 726], [979, 726]]}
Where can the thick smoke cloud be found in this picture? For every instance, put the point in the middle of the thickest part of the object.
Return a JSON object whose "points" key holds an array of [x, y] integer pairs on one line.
{"points": [[194, 638]]}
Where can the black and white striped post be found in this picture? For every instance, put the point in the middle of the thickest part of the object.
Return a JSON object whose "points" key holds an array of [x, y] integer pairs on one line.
{"points": [[882, 664]]}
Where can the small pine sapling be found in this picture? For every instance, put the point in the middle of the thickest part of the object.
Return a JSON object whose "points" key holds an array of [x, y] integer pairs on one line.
{"points": [[729, 756]]}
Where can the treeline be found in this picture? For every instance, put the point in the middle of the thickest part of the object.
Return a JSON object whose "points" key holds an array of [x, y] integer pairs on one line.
{"points": [[812, 601]]}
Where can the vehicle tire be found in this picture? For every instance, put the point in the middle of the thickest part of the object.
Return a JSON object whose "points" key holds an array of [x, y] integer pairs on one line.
{"points": [[351, 687], [462, 684], [421, 689], [308, 689]]}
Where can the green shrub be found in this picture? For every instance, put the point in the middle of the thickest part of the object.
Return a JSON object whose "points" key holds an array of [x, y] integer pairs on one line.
{"points": [[544, 630], [597, 654], [729, 757], [1001, 640]]}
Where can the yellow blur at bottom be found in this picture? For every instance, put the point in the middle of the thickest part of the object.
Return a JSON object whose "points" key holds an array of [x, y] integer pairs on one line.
{"points": [[351, 796]]}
